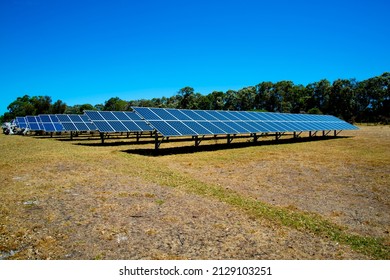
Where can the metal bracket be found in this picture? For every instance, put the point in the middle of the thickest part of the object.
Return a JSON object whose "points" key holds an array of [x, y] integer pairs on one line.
{"points": [[278, 135], [102, 137], [156, 142], [325, 133], [296, 135], [337, 133], [197, 140], [256, 137], [230, 138]]}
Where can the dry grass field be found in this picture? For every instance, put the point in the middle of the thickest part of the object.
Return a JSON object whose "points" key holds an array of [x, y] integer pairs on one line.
{"points": [[328, 199]]}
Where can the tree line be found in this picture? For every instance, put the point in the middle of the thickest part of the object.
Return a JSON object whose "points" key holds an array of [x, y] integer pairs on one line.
{"points": [[348, 99]]}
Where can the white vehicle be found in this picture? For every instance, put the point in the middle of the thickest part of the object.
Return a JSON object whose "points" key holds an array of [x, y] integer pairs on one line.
{"points": [[8, 128], [11, 128]]}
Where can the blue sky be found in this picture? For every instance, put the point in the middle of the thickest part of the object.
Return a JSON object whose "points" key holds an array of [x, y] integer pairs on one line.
{"points": [[89, 51]]}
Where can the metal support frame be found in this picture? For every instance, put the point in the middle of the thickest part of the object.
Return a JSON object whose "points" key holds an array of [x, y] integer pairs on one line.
{"points": [[337, 133], [156, 142], [325, 133], [197, 140], [312, 134], [256, 137], [296, 135], [138, 135], [230, 138], [278, 135], [102, 137]]}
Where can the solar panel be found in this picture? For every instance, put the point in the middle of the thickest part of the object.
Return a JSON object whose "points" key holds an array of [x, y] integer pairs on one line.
{"points": [[21, 122], [117, 121], [51, 123], [34, 123], [73, 122], [176, 122]]}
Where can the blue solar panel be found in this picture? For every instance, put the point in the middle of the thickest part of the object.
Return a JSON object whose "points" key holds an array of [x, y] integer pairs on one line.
{"points": [[237, 127], [228, 129], [198, 127], [103, 126], [206, 115], [94, 115], [69, 126], [181, 128], [51, 123], [218, 115], [116, 121], [120, 116], [118, 126], [133, 126], [132, 116], [178, 114], [108, 116], [21, 122], [249, 127], [45, 118], [164, 128], [73, 122], [143, 125], [232, 116], [148, 114], [260, 127], [214, 129], [193, 115], [164, 114], [244, 116], [34, 123]]}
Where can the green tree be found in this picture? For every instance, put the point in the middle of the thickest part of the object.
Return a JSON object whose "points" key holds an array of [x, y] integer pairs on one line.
{"points": [[116, 104], [42, 104], [318, 95], [185, 96], [203, 102], [246, 99], [216, 100], [21, 107], [314, 111], [377, 90], [230, 100], [99, 107], [263, 96], [75, 109], [87, 107], [342, 99], [58, 107]]}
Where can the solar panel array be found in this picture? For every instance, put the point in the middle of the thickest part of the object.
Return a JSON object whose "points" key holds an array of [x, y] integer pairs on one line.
{"points": [[176, 122], [73, 122], [182, 122], [116, 121], [51, 123]]}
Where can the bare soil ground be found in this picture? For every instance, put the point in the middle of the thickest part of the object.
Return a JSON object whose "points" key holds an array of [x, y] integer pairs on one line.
{"points": [[77, 200]]}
